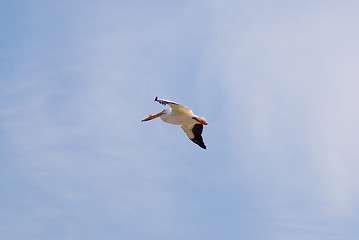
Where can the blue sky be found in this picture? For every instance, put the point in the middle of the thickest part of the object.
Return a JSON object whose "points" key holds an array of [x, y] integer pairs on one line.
{"points": [[276, 80]]}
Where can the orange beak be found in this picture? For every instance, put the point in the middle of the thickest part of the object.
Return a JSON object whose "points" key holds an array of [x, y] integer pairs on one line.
{"points": [[150, 117]]}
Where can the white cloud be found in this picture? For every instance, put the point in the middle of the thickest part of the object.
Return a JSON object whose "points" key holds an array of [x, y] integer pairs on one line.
{"points": [[278, 85], [290, 79]]}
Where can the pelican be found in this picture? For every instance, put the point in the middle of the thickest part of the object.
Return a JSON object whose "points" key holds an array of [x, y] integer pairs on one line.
{"points": [[191, 124]]}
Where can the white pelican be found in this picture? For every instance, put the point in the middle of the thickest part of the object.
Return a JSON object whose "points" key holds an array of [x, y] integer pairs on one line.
{"points": [[181, 115]]}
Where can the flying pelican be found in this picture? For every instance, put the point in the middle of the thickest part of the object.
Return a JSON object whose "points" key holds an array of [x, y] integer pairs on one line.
{"points": [[181, 115]]}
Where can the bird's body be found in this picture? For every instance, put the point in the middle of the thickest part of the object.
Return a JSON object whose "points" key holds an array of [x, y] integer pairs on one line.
{"points": [[181, 115]]}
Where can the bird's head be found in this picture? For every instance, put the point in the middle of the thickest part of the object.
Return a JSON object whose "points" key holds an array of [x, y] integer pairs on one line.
{"points": [[150, 117]]}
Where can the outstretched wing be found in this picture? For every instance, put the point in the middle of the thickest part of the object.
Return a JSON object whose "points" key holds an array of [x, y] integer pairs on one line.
{"points": [[195, 134], [176, 107]]}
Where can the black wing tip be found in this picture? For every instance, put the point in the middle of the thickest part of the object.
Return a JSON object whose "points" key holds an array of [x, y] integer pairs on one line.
{"points": [[197, 131], [202, 145], [199, 143], [160, 101]]}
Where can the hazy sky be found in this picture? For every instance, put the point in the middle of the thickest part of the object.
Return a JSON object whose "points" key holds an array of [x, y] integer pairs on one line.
{"points": [[277, 81]]}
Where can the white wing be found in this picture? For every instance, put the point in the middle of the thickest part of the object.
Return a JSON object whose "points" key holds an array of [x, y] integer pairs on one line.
{"points": [[176, 107]]}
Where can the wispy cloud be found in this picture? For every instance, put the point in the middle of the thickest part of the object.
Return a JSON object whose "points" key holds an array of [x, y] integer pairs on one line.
{"points": [[277, 83], [290, 83]]}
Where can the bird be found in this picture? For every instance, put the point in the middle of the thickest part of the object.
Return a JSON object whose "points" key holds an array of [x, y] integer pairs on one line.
{"points": [[178, 114]]}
